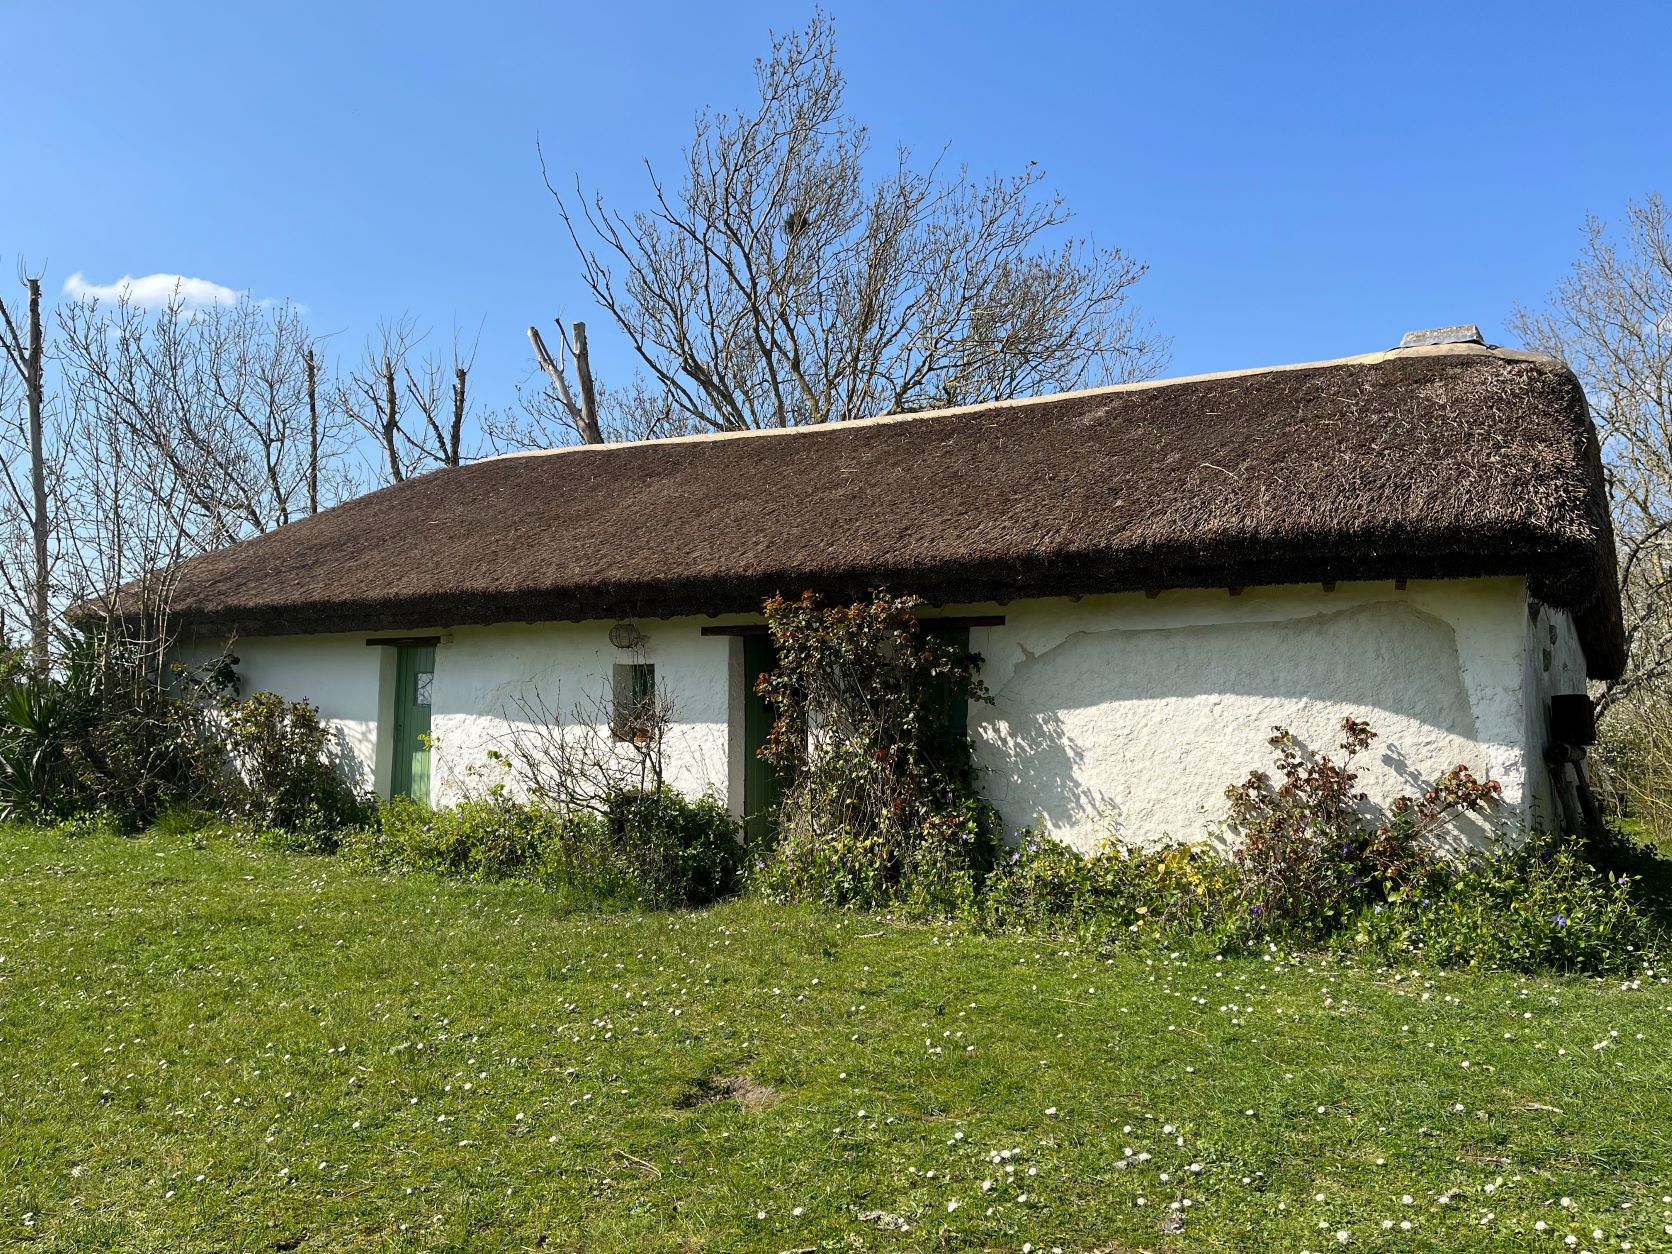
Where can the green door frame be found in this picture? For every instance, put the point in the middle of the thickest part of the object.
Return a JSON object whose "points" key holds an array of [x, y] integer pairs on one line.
{"points": [[761, 786], [409, 774]]}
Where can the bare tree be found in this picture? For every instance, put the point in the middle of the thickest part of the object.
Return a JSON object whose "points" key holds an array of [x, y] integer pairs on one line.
{"points": [[135, 505], [190, 429], [582, 414], [415, 409], [25, 350], [1611, 320], [778, 284], [558, 413], [283, 454], [542, 419], [310, 366], [222, 397]]}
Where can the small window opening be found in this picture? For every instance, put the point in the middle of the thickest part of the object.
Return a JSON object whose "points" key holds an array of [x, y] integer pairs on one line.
{"points": [[633, 716]]}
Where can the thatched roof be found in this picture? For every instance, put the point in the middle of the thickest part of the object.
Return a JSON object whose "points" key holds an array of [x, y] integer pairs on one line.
{"points": [[1425, 463]]}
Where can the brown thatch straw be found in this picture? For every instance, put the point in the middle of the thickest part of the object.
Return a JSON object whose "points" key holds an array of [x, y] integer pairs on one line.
{"points": [[1426, 464]]}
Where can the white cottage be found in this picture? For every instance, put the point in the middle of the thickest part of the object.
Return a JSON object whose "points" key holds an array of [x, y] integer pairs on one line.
{"points": [[1155, 575]]}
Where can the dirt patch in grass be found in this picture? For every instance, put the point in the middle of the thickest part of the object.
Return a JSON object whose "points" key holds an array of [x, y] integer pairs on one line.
{"points": [[746, 1091]]}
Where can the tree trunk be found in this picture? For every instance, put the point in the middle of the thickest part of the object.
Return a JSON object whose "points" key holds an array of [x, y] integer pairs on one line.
{"points": [[589, 397], [391, 419], [313, 431], [39, 523], [584, 414], [450, 454]]}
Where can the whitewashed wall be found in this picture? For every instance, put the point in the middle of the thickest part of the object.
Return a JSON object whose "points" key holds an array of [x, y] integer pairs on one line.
{"points": [[339, 675], [480, 674], [1127, 716], [483, 675], [1117, 716]]}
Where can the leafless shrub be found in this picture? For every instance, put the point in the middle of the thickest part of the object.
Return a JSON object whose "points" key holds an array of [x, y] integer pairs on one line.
{"points": [[603, 752]]}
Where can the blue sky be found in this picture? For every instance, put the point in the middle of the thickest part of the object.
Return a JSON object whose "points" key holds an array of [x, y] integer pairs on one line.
{"points": [[1305, 181]]}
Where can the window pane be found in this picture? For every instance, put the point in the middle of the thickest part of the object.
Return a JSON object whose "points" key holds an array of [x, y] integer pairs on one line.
{"points": [[633, 692], [422, 694]]}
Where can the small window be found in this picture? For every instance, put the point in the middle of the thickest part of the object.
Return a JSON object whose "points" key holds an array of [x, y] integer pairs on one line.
{"points": [[634, 714], [422, 694]]}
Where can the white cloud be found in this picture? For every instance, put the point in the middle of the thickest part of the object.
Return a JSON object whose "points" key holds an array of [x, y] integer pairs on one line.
{"points": [[152, 291]]}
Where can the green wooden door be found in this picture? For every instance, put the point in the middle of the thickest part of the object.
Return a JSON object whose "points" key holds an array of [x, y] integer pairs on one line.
{"points": [[414, 672], [954, 707], [761, 787]]}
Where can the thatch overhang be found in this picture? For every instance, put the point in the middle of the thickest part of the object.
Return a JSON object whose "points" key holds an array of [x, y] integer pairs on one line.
{"points": [[1428, 463]]}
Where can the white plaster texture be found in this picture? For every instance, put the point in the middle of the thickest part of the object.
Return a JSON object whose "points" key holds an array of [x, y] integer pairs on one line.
{"points": [[486, 679], [1120, 716], [1126, 717], [338, 675]]}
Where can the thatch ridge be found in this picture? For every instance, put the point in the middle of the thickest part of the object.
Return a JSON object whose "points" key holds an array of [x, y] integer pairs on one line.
{"points": [[1410, 464]]}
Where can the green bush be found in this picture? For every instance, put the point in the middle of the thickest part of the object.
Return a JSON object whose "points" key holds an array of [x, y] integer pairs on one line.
{"points": [[1541, 906], [937, 873], [881, 807], [283, 782], [1313, 854], [658, 849], [1046, 886], [105, 734], [683, 852], [1537, 907]]}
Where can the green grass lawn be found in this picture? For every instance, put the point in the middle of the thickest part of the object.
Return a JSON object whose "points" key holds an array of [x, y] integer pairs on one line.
{"points": [[218, 1049]]}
